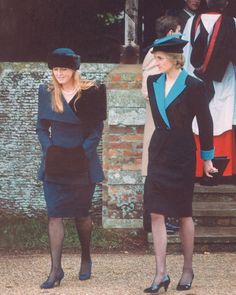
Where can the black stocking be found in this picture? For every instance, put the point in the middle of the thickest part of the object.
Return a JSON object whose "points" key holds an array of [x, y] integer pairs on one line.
{"points": [[187, 240], [56, 238], [84, 229]]}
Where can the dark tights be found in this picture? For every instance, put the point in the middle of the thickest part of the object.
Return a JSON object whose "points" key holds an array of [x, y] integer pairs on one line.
{"points": [[84, 229], [56, 238]]}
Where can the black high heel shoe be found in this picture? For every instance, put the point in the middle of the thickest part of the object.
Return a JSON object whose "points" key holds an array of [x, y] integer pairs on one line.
{"points": [[48, 284], [185, 286], [83, 276], [156, 287]]}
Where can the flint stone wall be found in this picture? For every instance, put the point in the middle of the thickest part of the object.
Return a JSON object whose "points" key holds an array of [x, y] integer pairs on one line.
{"points": [[118, 201], [20, 191]]}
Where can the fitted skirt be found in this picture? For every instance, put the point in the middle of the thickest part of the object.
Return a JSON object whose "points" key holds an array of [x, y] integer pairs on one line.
{"points": [[171, 170], [68, 200]]}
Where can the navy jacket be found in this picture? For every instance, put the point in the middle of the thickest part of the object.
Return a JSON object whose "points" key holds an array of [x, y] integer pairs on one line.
{"points": [[68, 130], [186, 99]]}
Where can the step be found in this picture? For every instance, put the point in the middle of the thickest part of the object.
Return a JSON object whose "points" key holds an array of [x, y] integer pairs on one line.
{"points": [[224, 193], [221, 188], [206, 234], [214, 221], [206, 239], [220, 209], [210, 234]]}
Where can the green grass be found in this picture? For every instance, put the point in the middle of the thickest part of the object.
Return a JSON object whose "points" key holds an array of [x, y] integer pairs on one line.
{"points": [[18, 233]]}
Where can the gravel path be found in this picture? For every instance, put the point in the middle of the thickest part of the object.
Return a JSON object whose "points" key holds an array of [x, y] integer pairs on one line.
{"points": [[116, 274]]}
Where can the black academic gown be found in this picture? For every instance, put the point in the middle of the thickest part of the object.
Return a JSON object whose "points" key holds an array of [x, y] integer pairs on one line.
{"points": [[171, 167]]}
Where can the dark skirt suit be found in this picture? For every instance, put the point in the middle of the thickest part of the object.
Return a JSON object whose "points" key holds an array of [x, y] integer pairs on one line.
{"points": [[77, 127], [171, 167]]}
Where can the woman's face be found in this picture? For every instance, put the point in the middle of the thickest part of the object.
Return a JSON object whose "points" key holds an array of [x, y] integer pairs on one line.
{"points": [[63, 75], [164, 63]]}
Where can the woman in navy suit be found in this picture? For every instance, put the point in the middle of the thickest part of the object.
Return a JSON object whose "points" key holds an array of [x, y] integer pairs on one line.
{"points": [[69, 127], [175, 98]]}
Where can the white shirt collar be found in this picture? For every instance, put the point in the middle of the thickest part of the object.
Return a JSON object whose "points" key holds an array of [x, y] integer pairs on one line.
{"points": [[189, 12]]}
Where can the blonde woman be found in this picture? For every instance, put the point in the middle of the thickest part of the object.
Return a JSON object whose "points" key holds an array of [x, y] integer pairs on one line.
{"points": [[175, 98], [165, 26], [69, 127]]}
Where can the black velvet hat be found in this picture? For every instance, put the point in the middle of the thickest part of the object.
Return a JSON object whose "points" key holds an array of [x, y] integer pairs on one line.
{"points": [[170, 43], [64, 58]]}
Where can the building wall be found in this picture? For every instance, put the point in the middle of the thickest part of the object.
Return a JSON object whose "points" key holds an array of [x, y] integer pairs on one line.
{"points": [[122, 148], [118, 201], [20, 191]]}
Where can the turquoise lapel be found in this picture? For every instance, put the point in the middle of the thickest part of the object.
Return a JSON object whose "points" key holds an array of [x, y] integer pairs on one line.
{"points": [[159, 89]]}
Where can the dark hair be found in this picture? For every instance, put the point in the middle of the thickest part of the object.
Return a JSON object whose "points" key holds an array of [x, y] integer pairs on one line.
{"points": [[166, 23], [218, 4]]}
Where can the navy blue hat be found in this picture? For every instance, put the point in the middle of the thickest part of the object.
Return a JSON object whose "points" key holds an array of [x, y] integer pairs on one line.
{"points": [[64, 58], [171, 43]]}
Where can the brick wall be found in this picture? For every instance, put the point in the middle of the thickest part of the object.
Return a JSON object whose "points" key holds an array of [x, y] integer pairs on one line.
{"points": [[118, 201], [122, 148]]}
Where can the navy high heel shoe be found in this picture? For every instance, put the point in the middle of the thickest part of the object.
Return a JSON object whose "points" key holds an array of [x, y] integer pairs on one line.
{"points": [[86, 275], [156, 287], [48, 284], [185, 286]]}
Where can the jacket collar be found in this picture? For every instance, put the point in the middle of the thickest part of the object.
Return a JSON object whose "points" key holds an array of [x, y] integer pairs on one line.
{"points": [[159, 90], [46, 112]]}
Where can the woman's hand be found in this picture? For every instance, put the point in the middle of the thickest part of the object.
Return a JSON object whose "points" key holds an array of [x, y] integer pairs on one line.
{"points": [[209, 168]]}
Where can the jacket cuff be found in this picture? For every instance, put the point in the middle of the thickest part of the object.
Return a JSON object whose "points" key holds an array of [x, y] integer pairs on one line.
{"points": [[207, 155]]}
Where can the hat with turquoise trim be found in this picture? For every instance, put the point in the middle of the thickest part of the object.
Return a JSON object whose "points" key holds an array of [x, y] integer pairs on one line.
{"points": [[171, 43]]}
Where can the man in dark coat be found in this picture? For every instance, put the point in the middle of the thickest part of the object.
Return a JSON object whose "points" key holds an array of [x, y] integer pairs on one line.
{"points": [[191, 7]]}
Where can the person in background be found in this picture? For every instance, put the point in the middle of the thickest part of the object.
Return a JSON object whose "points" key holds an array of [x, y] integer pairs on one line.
{"points": [[175, 98], [165, 26], [210, 56], [231, 8], [191, 7], [71, 111]]}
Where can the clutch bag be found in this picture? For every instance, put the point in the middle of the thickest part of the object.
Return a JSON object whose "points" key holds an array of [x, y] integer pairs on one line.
{"points": [[220, 163]]}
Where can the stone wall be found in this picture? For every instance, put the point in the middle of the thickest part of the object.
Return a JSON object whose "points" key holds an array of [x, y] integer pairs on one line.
{"points": [[122, 148], [118, 201], [20, 191]]}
